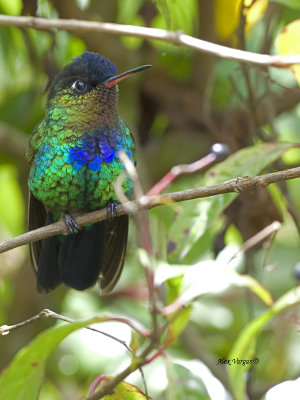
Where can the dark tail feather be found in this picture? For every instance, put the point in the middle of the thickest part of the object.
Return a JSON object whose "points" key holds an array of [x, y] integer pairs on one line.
{"points": [[114, 253], [77, 260], [80, 256], [48, 276]]}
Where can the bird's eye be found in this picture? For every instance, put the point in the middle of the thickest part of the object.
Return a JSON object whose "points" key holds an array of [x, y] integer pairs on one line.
{"points": [[79, 86]]}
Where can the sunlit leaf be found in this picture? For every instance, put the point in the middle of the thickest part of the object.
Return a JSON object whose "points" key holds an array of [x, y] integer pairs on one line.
{"points": [[287, 43], [126, 391], [213, 277], [12, 7], [244, 347], [253, 285], [198, 215], [227, 17], [255, 12], [228, 13]]}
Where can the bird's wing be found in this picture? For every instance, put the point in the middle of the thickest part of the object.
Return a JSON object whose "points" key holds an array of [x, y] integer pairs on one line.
{"points": [[114, 253], [36, 219]]}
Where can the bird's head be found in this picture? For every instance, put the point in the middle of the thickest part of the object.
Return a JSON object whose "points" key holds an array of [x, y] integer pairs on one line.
{"points": [[84, 93]]}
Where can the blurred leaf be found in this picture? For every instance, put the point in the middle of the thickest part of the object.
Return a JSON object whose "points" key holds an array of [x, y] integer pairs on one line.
{"points": [[178, 324], [11, 200], [198, 215], [227, 17], [228, 13], [287, 43], [213, 277], [174, 15], [126, 391], [289, 3], [162, 6], [131, 42], [184, 383], [187, 282], [23, 377], [14, 65], [249, 282], [287, 125], [46, 9], [12, 7], [128, 10], [67, 48], [83, 4], [244, 347], [256, 11]]}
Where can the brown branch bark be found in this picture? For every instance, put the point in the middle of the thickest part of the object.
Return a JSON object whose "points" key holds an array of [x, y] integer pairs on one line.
{"points": [[236, 185], [175, 37]]}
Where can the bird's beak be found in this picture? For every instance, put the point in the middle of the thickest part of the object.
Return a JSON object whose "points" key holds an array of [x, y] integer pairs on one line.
{"points": [[113, 80]]}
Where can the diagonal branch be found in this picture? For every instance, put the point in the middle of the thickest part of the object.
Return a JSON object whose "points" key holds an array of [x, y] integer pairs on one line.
{"points": [[177, 38], [236, 185]]}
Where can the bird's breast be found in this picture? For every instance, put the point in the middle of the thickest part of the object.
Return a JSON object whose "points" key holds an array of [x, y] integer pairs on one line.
{"points": [[80, 176]]}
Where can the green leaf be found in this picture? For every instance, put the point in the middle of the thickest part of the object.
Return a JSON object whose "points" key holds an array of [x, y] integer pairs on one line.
{"points": [[11, 201], [287, 43], [12, 7], [126, 391], [198, 215], [128, 10], [289, 3], [178, 324], [163, 8], [184, 383], [244, 348], [22, 379]]}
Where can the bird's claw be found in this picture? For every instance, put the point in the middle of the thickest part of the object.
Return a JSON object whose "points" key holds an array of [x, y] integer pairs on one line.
{"points": [[112, 209], [71, 224]]}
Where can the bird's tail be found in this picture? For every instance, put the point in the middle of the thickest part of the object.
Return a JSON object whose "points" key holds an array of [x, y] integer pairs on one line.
{"points": [[77, 260]]}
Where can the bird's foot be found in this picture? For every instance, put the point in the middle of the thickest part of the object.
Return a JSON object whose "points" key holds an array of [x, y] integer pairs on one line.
{"points": [[71, 224], [112, 209]]}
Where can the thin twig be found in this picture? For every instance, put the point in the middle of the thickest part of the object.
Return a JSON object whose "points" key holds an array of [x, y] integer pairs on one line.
{"points": [[178, 38], [46, 313], [234, 185], [143, 227], [178, 170], [258, 238]]}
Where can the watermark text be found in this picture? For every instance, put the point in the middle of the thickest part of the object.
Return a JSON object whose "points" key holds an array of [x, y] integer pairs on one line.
{"points": [[233, 361]]}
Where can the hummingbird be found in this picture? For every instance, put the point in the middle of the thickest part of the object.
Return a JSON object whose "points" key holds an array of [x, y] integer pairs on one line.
{"points": [[74, 163]]}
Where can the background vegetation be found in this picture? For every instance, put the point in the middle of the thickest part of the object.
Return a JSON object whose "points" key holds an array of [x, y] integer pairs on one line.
{"points": [[176, 110]]}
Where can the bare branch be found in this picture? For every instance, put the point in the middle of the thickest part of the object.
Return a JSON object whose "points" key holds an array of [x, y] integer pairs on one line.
{"points": [[46, 313], [237, 185], [257, 238], [178, 38]]}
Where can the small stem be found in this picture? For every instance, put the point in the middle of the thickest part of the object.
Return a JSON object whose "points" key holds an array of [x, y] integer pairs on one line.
{"points": [[144, 229], [180, 169]]}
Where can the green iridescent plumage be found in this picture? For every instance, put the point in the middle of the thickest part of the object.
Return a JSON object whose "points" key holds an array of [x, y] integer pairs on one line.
{"points": [[66, 181], [74, 164]]}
